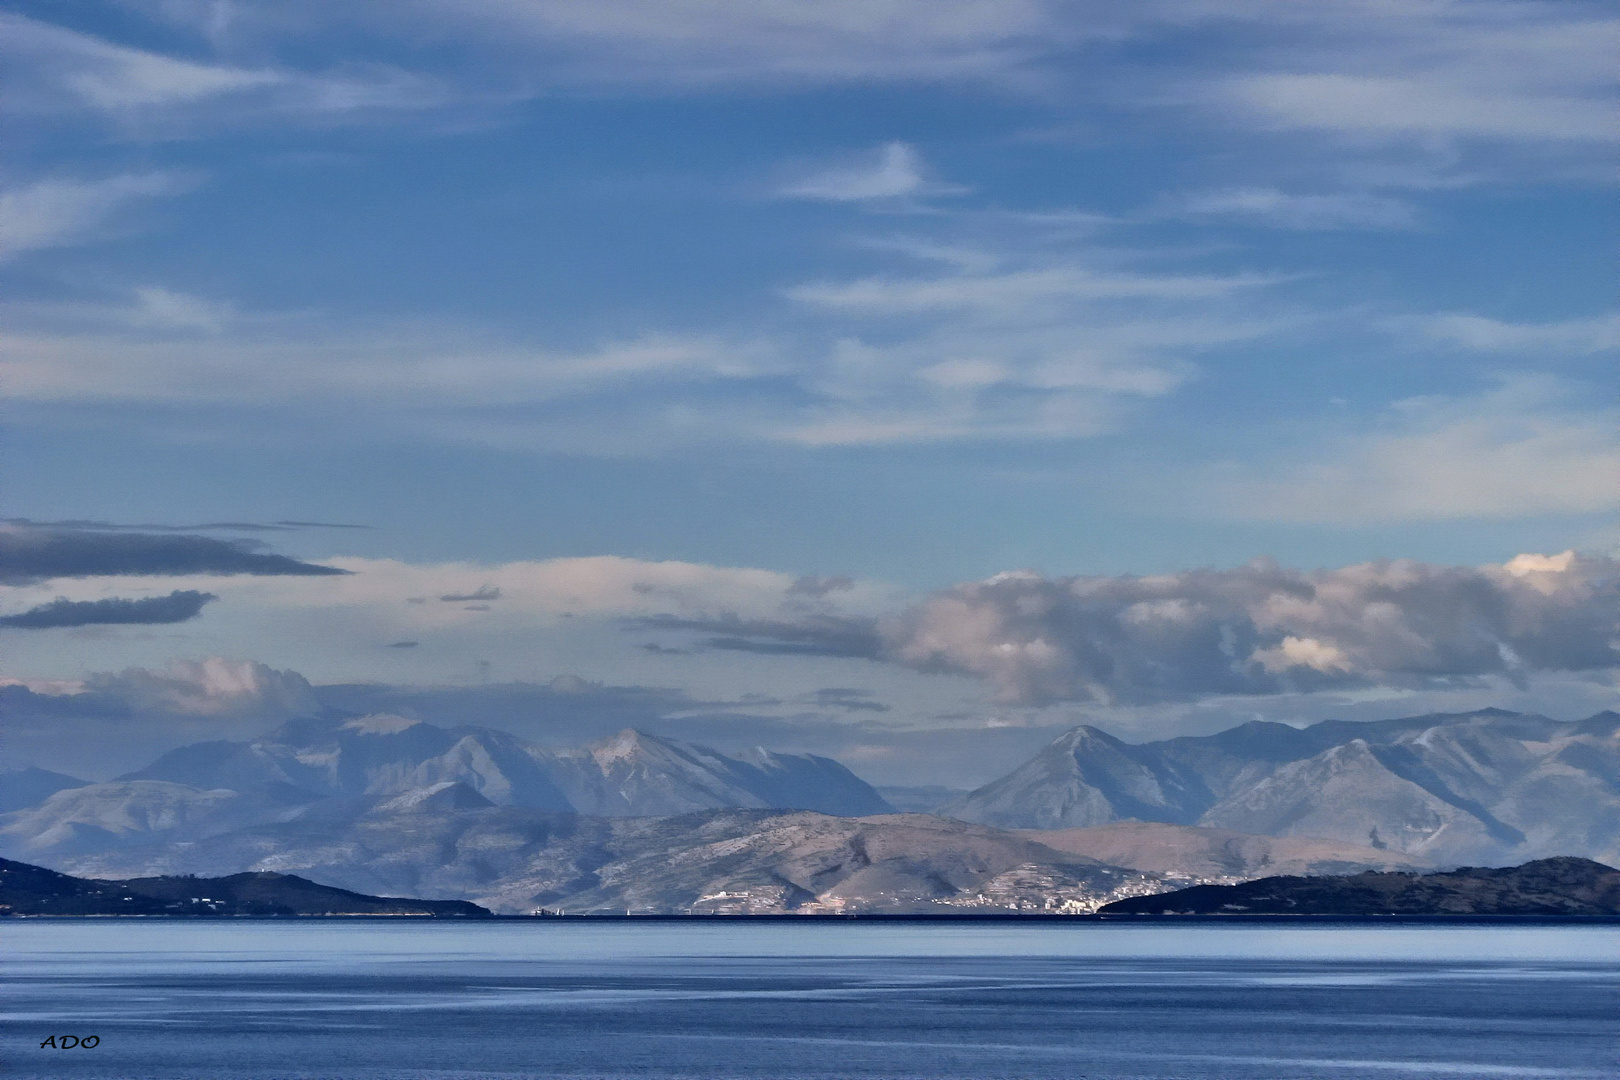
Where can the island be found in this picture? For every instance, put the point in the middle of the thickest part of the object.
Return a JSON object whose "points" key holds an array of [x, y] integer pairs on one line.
{"points": [[34, 890], [1561, 886]]}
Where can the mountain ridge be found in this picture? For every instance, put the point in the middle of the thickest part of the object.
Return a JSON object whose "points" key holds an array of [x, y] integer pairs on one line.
{"points": [[1487, 785], [387, 804], [632, 773]]}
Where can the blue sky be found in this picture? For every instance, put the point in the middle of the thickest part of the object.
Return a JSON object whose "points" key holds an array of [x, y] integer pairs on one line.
{"points": [[915, 293]]}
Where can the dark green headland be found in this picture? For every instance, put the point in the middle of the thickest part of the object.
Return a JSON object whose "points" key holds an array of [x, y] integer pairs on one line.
{"points": [[34, 890]]}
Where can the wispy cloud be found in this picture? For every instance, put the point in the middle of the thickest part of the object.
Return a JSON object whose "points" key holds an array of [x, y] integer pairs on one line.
{"points": [[50, 62], [1499, 71], [60, 213], [1279, 209], [156, 306], [1016, 289], [279, 361], [995, 345], [1387, 106], [1517, 451], [894, 171], [997, 348], [698, 43], [54, 70], [1502, 70], [1477, 332]]}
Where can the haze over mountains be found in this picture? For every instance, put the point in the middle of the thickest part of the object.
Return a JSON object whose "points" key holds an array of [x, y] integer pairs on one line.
{"points": [[383, 804], [1489, 786], [633, 774]]}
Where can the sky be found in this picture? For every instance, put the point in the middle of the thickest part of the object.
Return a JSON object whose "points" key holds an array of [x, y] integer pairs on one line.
{"points": [[905, 381]]}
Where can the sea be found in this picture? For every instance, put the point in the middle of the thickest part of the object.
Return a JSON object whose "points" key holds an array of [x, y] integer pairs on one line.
{"points": [[721, 998]]}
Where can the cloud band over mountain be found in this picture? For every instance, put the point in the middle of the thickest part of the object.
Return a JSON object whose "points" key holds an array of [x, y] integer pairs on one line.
{"points": [[1265, 629], [1259, 629]]}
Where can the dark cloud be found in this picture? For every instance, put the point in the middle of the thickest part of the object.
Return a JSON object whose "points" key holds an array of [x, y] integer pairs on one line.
{"points": [[207, 526], [31, 553], [1264, 629], [320, 525], [843, 697], [662, 650], [178, 606], [402, 644], [810, 585], [488, 592], [86, 525], [812, 635]]}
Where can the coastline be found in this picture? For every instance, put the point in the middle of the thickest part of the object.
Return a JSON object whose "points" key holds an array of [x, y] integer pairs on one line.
{"points": [[1001, 918]]}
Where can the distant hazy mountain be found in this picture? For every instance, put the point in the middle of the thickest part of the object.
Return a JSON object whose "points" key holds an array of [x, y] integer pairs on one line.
{"points": [[31, 786], [1087, 777], [1489, 786], [924, 799], [103, 817], [1215, 854], [638, 775], [516, 859], [385, 805], [330, 773], [1562, 886], [632, 774], [447, 840]]}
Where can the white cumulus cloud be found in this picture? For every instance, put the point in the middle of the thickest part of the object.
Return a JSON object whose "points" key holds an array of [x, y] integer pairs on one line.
{"points": [[1264, 629], [213, 687]]}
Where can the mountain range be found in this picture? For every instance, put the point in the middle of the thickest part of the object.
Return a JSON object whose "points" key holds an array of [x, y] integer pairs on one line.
{"points": [[385, 805], [1490, 786], [514, 860], [20, 788], [333, 770], [632, 774]]}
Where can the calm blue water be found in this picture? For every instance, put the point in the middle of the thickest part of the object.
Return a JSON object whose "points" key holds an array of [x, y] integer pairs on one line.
{"points": [[380, 999]]}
